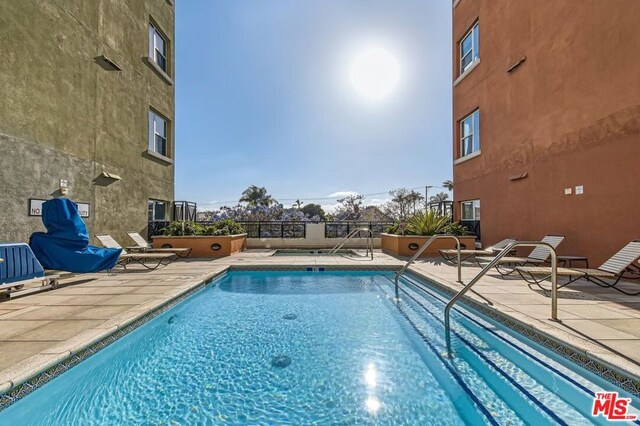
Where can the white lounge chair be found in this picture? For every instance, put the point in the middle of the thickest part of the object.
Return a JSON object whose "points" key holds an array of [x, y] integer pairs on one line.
{"points": [[143, 246], [155, 259], [451, 255], [619, 266], [538, 256]]}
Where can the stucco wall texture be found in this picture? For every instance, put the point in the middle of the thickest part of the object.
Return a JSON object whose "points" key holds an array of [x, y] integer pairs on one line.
{"points": [[569, 116], [62, 116]]}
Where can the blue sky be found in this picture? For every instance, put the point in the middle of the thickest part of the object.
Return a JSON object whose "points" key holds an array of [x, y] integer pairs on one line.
{"points": [[264, 97]]}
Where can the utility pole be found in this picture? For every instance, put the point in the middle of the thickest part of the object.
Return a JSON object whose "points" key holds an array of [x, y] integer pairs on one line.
{"points": [[426, 197]]}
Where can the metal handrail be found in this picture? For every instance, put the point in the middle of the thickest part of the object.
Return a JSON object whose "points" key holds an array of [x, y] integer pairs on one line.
{"points": [[494, 261], [350, 235], [419, 252]]}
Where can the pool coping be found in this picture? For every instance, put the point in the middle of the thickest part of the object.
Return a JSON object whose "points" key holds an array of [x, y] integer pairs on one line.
{"points": [[54, 361], [600, 361]]}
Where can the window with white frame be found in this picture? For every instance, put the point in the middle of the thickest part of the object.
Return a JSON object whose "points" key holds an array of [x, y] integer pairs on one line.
{"points": [[470, 210], [469, 48], [157, 47], [470, 134], [158, 134], [157, 210]]}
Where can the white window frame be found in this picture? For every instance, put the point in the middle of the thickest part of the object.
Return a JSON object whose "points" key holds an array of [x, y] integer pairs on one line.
{"points": [[472, 139], [475, 208], [154, 134], [151, 208], [474, 33], [154, 52]]}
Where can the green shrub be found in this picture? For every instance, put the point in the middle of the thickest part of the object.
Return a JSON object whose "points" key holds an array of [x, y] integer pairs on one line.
{"points": [[181, 228], [224, 227], [427, 224], [393, 228], [456, 229]]}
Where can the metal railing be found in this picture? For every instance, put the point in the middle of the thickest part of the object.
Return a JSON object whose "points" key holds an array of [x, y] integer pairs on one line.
{"points": [[275, 229], [352, 234], [341, 229], [494, 262], [419, 252]]}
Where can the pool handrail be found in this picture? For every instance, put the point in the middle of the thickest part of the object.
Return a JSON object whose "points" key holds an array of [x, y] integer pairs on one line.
{"points": [[487, 268], [419, 252], [352, 234]]}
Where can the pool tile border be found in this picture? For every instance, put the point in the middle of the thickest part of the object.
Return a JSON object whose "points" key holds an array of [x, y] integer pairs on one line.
{"points": [[21, 390], [606, 371]]}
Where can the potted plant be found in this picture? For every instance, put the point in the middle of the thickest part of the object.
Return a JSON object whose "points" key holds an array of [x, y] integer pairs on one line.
{"points": [[405, 239], [222, 238]]}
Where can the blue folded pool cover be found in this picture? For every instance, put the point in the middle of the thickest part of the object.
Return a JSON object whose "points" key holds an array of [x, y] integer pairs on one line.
{"points": [[19, 263], [65, 245]]}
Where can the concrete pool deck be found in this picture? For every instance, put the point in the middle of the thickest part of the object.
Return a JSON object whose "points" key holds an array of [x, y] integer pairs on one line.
{"points": [[40, 330]]}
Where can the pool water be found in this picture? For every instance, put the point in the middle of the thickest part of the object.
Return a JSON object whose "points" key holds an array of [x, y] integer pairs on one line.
{"points": [[315, 348], [314, 252]]}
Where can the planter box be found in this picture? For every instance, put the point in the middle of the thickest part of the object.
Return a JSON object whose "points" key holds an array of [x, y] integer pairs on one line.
{"points": [[204, 245], [408, 245]]}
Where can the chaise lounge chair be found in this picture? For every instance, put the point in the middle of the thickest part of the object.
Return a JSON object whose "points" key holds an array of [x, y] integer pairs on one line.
{"points": [[538, 256], [620, 265], [451, 255], [19, 266], [143, 246], [155, 259]]}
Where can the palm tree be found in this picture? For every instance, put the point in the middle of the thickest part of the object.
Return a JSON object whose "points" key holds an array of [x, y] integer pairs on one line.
{"points": [[257, 196], [298, 204], [439, 197], [448, 185]]}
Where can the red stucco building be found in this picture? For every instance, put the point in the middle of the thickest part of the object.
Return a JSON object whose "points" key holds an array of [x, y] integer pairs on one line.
{"points": [[546, 110]]}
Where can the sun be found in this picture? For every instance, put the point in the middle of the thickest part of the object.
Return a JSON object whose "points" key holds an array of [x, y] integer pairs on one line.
{"points": [[374, 73]]}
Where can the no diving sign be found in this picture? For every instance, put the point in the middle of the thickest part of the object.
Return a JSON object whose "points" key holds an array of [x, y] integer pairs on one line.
{"points": [[35, 208]]}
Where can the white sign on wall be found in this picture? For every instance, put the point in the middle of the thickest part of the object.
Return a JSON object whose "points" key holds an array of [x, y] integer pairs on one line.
{"points": [[35, 208]]}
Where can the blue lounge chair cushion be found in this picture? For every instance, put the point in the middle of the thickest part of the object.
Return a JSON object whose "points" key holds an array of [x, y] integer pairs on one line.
{"points": [[65, 245], [19, 263]]}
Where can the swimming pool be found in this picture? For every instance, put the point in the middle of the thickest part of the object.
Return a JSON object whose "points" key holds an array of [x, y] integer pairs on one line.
{"points": [[314, 252], [315, 348]]}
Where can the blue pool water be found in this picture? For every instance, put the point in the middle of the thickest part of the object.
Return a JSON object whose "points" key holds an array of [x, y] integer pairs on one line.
{"points": [[314, 348]]}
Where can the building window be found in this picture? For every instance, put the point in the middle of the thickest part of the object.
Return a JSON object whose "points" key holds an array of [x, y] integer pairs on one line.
{"points": [[157, 134], [157, 210], [469, 48], [157, 47], [470, 210], [470, 134]]}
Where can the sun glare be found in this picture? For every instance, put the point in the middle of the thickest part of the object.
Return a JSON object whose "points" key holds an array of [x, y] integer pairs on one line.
{"points": [[374, 73]]}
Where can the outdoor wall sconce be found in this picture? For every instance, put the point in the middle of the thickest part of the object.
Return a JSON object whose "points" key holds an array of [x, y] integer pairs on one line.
{"points": [[106, 63], [517, 64], [413, 246], [519, 177], [106, 179], [215, 246]]}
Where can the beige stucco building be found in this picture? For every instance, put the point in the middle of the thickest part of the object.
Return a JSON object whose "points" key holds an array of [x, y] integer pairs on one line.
{"points": [[87, 108]]}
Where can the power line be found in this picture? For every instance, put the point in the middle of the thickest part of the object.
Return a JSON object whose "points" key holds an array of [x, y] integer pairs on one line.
{"points": [[322, 198]]}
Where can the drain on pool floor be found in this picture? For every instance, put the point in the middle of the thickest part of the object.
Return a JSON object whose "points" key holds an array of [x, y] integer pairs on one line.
{"points": [[290, 317], [281, 361]]}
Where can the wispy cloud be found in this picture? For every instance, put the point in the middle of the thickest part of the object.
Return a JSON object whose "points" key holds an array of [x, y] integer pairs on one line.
{"points": [[340, 194]]}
